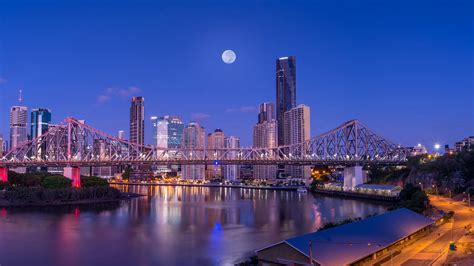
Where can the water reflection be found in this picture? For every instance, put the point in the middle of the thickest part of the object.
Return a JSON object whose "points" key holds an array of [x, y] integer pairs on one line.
{"points": [[170, 226]]}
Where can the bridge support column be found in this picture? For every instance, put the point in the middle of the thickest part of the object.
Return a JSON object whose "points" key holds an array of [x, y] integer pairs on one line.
{"points": [[3, 174], [353, 176], [73, 173]]}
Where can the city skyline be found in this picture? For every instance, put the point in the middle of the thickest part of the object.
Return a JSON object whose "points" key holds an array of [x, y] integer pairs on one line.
{"points": [[331, 72]]}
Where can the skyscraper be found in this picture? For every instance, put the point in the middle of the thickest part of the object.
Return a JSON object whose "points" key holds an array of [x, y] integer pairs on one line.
{"points": [[267, 112], [193, 138], [285, 91], [121, 134], [40, 120], [167, 132], [297, 130], [137, 120], [231, 172], [215, 140], [1, 144], [18, 124], [265, 135]]}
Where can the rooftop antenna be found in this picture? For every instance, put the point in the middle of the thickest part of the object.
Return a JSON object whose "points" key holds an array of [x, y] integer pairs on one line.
{"points": [[20, 100]]}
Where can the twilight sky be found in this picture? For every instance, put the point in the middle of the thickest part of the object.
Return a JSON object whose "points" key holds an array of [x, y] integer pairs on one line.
{"points": [[403, 67]]}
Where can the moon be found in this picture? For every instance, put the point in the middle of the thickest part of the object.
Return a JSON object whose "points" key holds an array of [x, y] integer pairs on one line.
{"points": [[228, 56]]}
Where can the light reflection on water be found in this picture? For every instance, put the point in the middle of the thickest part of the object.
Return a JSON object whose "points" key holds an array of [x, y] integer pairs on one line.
{"points": [[170, 226]]}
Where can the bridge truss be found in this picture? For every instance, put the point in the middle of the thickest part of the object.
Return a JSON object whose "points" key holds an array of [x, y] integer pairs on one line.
{"points": [[73, 143]]}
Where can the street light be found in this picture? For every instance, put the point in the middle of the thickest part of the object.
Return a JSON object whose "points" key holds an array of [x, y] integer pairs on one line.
{"points": [[437, 146]]}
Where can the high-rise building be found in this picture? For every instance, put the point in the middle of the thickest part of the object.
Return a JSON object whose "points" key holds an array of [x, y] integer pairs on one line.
{"points": [[193, 138], [167, 132], [2, 149], [267, 112], [137, 120], [297, 130], [265, 135], [40, 120], [232, 172], [121, 134], [285, 91], [215, 140], [18, 124]]}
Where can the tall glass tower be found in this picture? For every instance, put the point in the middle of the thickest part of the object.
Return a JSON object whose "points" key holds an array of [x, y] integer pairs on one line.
{"points": [[18, 125], [285, 91], [137, 120], [167, 131], [40, 120]]}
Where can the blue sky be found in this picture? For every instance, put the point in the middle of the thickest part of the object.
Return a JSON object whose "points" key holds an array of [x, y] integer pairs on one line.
{"points": [[404, 68]]}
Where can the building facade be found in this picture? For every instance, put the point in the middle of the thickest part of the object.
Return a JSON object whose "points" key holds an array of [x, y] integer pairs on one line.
{"points": [[121, 135], [193, 138], [137, 120], [167, 132], [40, 120], [232, 172], [18, 125], [265, 135], [215, 140], [465, 144], [285, 91], [297, 130]]}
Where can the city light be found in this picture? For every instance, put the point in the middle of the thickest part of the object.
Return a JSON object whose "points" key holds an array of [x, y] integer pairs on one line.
{"points": [[437, 146]]}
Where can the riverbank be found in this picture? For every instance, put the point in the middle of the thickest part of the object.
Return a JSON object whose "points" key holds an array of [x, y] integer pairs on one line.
{"points": [[123, 196], [348, 194], [287, 188]]}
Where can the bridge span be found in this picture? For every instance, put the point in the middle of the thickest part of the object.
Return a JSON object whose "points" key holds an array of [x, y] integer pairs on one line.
{"points": [[73, 144]]}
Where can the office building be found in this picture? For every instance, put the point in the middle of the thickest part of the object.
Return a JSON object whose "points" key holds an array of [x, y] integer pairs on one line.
{"points": [[297, 130], [18, 124], [285, 91], [167, 132], [215, 140], [137, 120], [121, 135], [40, 120], [265, 135], [2, 145], [231, 172], [193, 138]]}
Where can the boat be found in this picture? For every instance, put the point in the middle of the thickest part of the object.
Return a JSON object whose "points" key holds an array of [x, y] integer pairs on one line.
{"points": [[302, 190]]}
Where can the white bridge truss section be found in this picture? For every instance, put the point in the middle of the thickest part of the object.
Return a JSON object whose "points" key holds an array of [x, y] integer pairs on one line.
{"points": [[73, 143]]}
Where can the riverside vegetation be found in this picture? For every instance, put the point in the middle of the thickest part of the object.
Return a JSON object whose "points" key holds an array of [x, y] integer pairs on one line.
{"points": [[48, 189]]}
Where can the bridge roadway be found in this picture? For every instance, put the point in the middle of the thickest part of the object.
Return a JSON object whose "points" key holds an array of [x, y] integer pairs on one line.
{"points": [[99, 163]]}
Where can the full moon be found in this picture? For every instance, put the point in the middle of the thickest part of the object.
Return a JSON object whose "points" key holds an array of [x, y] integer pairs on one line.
{"points": [[228, 56]]}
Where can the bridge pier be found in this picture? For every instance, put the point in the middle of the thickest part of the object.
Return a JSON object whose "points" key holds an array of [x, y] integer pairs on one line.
{"points": [[73, 173], [3, 174], [353, 176]]}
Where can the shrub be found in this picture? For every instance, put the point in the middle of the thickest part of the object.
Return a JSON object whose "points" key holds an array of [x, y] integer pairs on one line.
{"points": [[414, 198], [93, 181], [55, 182], [41, 195]]}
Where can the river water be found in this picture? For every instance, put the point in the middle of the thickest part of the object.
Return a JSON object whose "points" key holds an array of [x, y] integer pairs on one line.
{"points": [[169, 226]]}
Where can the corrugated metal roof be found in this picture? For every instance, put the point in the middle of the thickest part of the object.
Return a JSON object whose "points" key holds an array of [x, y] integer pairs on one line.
{"points": [[348, 243], [379, 187]]}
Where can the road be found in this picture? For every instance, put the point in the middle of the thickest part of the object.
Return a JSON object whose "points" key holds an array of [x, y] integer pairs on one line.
{"points": [[433, 249]]}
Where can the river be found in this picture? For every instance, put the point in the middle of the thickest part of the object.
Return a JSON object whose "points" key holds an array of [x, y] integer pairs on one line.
{"points": [[169, 226]]}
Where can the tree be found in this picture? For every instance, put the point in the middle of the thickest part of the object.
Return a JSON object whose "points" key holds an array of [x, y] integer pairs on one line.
{"points": [[126, 174], [93, 181], [413, 198], [56, 182]]}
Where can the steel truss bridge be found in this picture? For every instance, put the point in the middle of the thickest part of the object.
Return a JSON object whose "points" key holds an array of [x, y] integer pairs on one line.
{"points": [[75, 144]]}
